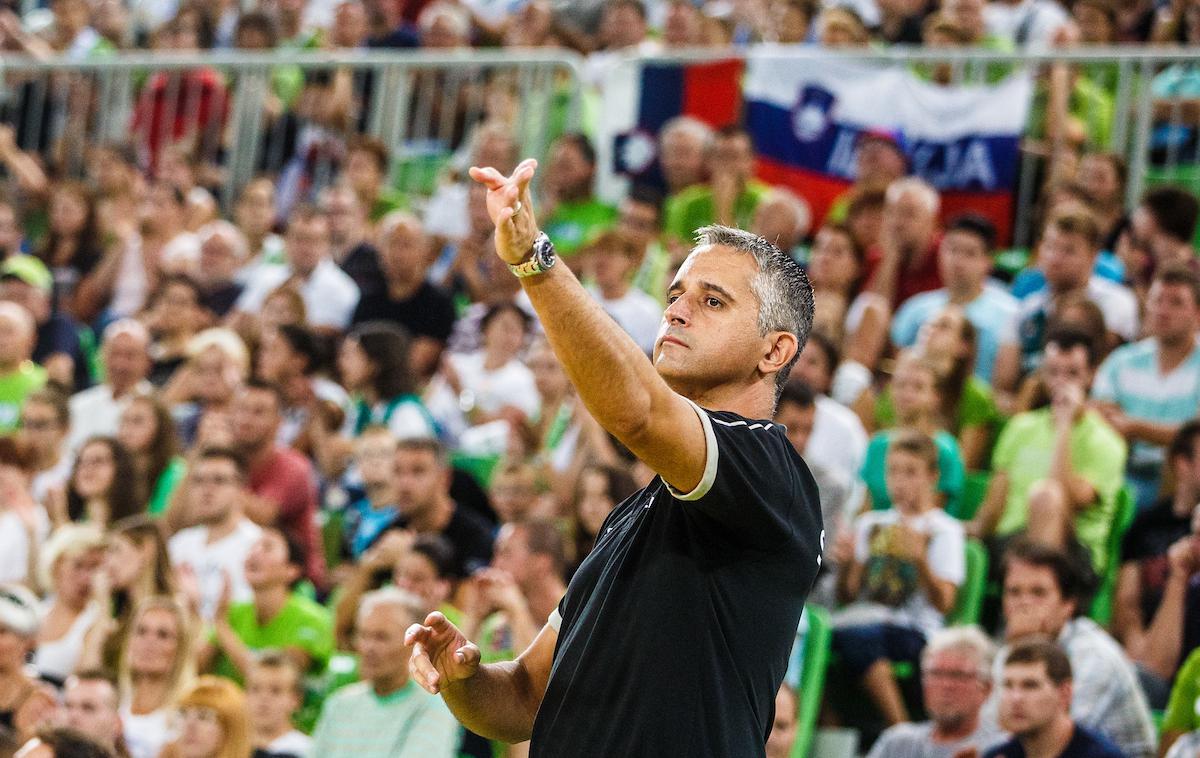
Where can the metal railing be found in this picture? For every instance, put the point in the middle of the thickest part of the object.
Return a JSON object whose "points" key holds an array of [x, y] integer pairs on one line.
{"points": [[251, 113], [243, 114]]}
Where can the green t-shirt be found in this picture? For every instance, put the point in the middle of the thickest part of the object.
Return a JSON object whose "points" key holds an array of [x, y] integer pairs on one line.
{"points": [[692, 208], [976, 407], [1024, 453], [301, 623], [1088, 103], [14, 388], [1183, 709], [573, 225], [165, 487], [951, 472], [390, 199]]}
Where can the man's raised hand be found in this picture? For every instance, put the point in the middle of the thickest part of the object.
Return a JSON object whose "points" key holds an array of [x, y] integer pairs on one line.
{"points": [[510, 206], [441, 655]]}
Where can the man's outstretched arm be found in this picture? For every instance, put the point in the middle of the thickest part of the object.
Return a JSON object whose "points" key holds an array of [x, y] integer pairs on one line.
{"points": [[498, 701], [613, 377]]}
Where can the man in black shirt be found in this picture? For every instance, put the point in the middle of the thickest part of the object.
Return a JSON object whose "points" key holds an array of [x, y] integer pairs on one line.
{"points": [[407, 298], [674, 634]]}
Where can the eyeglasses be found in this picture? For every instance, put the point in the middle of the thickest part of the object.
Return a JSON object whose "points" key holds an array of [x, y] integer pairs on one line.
{"points": [[950, 674], [214, 481]]}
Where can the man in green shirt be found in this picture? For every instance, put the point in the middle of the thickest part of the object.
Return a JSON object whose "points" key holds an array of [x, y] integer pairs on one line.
{"points": [[575, 215], [20, 377], [731, 195], [386, 715], [277, 617], [1057, 469]]}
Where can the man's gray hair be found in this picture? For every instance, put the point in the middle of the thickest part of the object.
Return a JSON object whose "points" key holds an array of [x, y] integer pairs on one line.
{"points": [[967, 639], [785, 297], [409, 604], [691, 126]]}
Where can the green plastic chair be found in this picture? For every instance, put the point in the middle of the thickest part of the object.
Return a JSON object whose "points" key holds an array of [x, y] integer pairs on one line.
{"points": [[331, 536], [970, 594], [812, 678], [1101, 611], [975, 488]]}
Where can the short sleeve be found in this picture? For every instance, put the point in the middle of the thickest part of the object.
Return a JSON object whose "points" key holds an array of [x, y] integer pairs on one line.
{"points": [[862, 533], [977, 407], [1181, 715], [1006, 446], [947, 551], [1104, 388], [906, 324], [753, 484]]}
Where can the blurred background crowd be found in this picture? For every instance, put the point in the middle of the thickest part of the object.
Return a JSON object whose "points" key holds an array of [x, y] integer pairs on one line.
{"points": [[258, 416]]}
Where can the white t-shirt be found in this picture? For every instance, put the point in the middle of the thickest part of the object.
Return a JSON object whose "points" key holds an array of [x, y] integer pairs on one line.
{"points": [[146, 734], [58, 658], [330, 295], [946, 557], [55, 476], [212, 561], [295, 744], [14, 544], [95, 412], [838, 440], [638, 314]]}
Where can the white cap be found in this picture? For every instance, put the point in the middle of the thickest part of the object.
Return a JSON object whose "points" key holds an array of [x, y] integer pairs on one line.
{"points": [[18, 610]]}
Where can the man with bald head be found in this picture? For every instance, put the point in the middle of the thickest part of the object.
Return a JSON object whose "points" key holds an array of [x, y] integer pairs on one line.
{"points": [[19, 376], [407, 298], [683, 144], [126, 355]]}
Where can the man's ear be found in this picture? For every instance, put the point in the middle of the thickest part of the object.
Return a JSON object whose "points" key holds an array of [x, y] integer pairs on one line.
{"points": [[781, 348]]}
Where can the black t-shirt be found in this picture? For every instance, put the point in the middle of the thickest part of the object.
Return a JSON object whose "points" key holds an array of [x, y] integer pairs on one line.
{"points": [[676, 629], [1150, 535], [428, 313], [471, 537], [59, 334], [1084, 744], [220, 300], [362, 265]]}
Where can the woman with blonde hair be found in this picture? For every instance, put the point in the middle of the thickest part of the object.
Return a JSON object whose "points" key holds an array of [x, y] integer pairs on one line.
{"points": [[218, 363], [69, 562], [156, 667], [213, 722]]}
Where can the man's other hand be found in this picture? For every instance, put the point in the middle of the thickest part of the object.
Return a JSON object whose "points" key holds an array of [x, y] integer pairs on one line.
{"points": [[510, 206], [441, 655]]}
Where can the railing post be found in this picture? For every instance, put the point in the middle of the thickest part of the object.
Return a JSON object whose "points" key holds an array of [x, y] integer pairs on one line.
{"points": [[1139, 151]]}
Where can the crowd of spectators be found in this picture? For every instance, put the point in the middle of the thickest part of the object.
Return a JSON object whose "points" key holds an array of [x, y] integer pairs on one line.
{"points": [[241, 452]]}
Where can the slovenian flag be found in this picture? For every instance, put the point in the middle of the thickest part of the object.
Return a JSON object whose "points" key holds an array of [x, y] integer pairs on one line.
{"points": [[641, 96], [806, 115]]}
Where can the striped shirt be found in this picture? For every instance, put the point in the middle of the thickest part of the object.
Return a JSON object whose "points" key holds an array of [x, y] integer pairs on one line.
{"points": [[408, 723]]}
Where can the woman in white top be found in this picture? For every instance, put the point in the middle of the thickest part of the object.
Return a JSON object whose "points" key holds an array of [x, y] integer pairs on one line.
{"points": [[855, 319], [69, 564], [156, 668], [23, 523], [490, 384]]}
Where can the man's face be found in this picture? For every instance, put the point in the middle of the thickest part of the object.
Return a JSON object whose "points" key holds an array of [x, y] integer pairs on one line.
{"points": [[345, 216], [512, 555], [967, 14], [681, 159], [638, 221], [1172, 313], [350, 24], [90, 705], [255, 212], [277, 362], [420, 480], [1066, 259], [910, 220], [799, 423], [307, 244], [126, 360], [267, 562], [513, 494], [41, 428], [1029, 701], [218, 260], [611, 267], [374, 454], [732, 154], [964, 260], [415, 573], [954, 686], [29, 297], [569, 171], [1066, 367], [622, 26], [379, 640], [271, 696], [1032, 598], [16, 339], [255, 417], [405, 254], [878, 162], [214, 488], [709, 333], [1100, 176]]}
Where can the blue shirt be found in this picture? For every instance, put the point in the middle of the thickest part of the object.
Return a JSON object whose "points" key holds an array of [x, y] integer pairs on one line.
{"points": [[1031, 280], [1084, 744], [1130, 377], [365, 523], [993, 314]]}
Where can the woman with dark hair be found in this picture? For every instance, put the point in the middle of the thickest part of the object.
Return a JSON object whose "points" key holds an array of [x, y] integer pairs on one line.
{"points": [[102, 488], [147, 432], [72, 249], [858, 320], [136, 566], [490, 384], [374, 365], [600, 489]]}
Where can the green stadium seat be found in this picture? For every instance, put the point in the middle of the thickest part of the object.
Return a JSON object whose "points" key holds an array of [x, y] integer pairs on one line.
{"points": [[974, 490], [970, 594], [1101, 611], [812, 678]]}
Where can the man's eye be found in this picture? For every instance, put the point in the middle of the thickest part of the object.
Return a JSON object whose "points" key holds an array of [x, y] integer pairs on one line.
{"points": [[672, 298], [713, 302]]}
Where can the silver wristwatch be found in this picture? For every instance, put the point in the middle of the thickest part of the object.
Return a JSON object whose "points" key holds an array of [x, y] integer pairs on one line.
{"points": [[542, 258]]}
